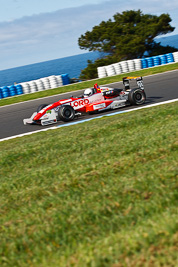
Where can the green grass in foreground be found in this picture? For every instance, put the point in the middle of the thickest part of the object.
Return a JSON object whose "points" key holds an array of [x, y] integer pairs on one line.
{"points": [[102, 193], [86, 84]]}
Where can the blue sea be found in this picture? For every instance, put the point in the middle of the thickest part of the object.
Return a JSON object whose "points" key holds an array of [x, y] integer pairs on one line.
{"points": [[71, 65]]}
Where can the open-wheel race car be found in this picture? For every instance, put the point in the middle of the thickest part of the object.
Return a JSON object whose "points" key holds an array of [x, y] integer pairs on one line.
{"points": [[93, 100]]}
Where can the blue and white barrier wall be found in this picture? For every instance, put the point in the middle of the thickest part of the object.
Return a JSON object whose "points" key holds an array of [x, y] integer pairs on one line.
{"points": [[45, 83], [136, 64]]}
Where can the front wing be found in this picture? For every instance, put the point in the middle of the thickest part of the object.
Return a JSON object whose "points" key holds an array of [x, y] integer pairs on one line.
{"points": [[46, 119]]}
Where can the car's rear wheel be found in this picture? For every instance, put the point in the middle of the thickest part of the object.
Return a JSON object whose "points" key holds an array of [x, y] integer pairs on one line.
{"points": [[66, 113], [137, 97], [41, 107]]}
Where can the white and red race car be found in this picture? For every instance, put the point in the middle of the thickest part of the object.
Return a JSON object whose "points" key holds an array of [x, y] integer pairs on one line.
{"points": [[93, 100]]}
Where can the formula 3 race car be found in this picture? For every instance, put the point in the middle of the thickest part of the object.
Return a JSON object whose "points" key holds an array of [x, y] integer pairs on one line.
{"points": [[93, 100]]}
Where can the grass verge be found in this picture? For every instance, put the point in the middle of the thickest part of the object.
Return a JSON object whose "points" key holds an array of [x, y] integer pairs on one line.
{"points": [[98, 194], [86, 84]]}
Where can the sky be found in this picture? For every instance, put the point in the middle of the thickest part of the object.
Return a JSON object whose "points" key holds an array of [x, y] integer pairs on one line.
{"points": [[33, 31]]}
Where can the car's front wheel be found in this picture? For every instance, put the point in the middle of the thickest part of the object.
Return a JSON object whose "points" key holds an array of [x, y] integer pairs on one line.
{"points": [[137, 97], [66, 113], [41, 107]]}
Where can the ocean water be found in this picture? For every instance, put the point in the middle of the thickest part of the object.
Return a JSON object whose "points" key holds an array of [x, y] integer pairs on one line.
{"points": [[170, 40], [71, 65]]}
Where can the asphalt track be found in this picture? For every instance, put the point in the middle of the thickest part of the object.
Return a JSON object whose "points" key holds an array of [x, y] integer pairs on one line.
{"points": [[158, 88]]}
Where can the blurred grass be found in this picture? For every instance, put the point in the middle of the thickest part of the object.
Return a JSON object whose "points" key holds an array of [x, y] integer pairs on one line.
{"points": [[102, 193], [86, 84]]}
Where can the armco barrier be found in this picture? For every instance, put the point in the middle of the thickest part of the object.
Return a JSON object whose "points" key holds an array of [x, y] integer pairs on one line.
{"points": [[53, 81], [12, 90], [170, 58], [5, 91], [131, 65], [102, 72], [1, 94], [137, 64], [144, 63], [45, 83], [110, 70], [163, 59], [175, 55], [117, 68], [156, 61], [19, 89], [25, 88], [150, 62], [124, 66], [33, 86], [65, 79], [59, 80]]}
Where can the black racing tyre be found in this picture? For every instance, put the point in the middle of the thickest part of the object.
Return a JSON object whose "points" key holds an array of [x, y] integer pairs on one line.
{"points": [[41, 107], [66, 113], [137, 97]]}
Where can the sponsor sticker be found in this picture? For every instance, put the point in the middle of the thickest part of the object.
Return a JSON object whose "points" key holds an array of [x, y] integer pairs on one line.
{"points": [[117, 105], [99, 106], [79, 103]]}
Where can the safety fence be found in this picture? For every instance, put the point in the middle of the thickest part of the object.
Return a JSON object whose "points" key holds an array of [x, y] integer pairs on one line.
{"points": [[50, 82], [136, 64], [54, 81]]}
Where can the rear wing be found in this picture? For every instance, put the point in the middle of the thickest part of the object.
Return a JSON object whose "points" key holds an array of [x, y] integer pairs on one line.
{"points": [[139, 81]]}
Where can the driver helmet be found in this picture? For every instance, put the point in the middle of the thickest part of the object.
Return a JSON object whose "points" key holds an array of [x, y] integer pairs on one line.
{"points": [[88, 92]]}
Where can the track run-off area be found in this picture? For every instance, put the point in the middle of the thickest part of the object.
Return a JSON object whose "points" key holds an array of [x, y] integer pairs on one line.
{"points": [[160, 89]]}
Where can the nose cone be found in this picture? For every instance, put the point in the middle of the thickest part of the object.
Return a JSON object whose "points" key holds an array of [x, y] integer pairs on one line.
{"points": [[39, 115]]}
